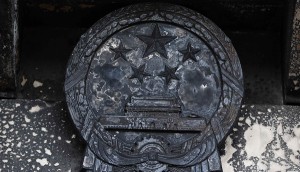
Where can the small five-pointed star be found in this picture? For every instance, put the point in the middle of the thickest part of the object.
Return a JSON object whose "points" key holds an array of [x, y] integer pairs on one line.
{"points": [[139, 73], [169, 73], [120, 52], [189, 53], [156, 42]]}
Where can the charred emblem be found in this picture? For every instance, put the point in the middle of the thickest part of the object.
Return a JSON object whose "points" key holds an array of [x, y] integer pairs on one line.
{"points": [[152, 90]]}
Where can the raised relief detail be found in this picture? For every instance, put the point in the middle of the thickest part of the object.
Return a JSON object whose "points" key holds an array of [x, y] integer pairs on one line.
{"points": [[152, 89]]}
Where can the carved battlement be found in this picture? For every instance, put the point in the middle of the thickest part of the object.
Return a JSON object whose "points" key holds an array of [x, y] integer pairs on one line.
{"points": [[153, 113]]}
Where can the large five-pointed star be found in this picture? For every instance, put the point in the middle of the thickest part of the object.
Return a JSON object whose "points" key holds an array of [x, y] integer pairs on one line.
{"points": [[189, 53], [139, 73], [169, 73], [120, 52], [156, 42]]}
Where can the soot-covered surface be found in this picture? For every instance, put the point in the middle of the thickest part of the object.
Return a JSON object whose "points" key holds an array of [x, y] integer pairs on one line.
{"points": [[42, 71], [37, 136]]}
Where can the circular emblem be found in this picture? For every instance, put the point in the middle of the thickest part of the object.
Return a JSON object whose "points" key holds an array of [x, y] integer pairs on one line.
{"points": [[153, 87]]}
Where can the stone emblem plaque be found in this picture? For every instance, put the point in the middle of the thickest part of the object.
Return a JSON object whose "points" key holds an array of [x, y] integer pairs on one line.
{"points": [[153, 88]]}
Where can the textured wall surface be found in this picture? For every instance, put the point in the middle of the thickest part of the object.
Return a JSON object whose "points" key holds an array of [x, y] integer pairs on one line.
{"points": [[293, 65], [38, 136], [8, 45]]}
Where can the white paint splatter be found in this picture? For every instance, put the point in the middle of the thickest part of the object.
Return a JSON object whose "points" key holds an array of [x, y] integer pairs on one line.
{"points": [[280, 129], [56, 164], [292, 140], [257, 137], [44, 129], [226, 165], [260, 113], [34, 109], [27, 119], [43, 161], [277, 167], [37, 84], [47, 151], [18, 104], [34, 134], [248, 121]]}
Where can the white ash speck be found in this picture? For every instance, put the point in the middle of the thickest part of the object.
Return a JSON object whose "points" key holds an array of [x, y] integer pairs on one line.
{"points": [[34, 134], [56, 164], [8, 149], [37, 84], [44, 129], [24, 80], [59, 138], [11, 122], [34, 109], [27, 119], [295, 82], [39, 151], [3, 136], [9, 140], [68, 141], [43, 161], [48, 152]]}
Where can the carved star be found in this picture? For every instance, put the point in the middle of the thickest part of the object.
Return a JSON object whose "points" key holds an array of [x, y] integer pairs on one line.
{"points": [[156, 42], [169, 73], [120, 52], [189, 53], [139, 73]]}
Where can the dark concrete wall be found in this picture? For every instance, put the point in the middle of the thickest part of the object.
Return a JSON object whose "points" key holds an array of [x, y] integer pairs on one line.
{"points": [[292, 57], [8, 46], [229, 14]]}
